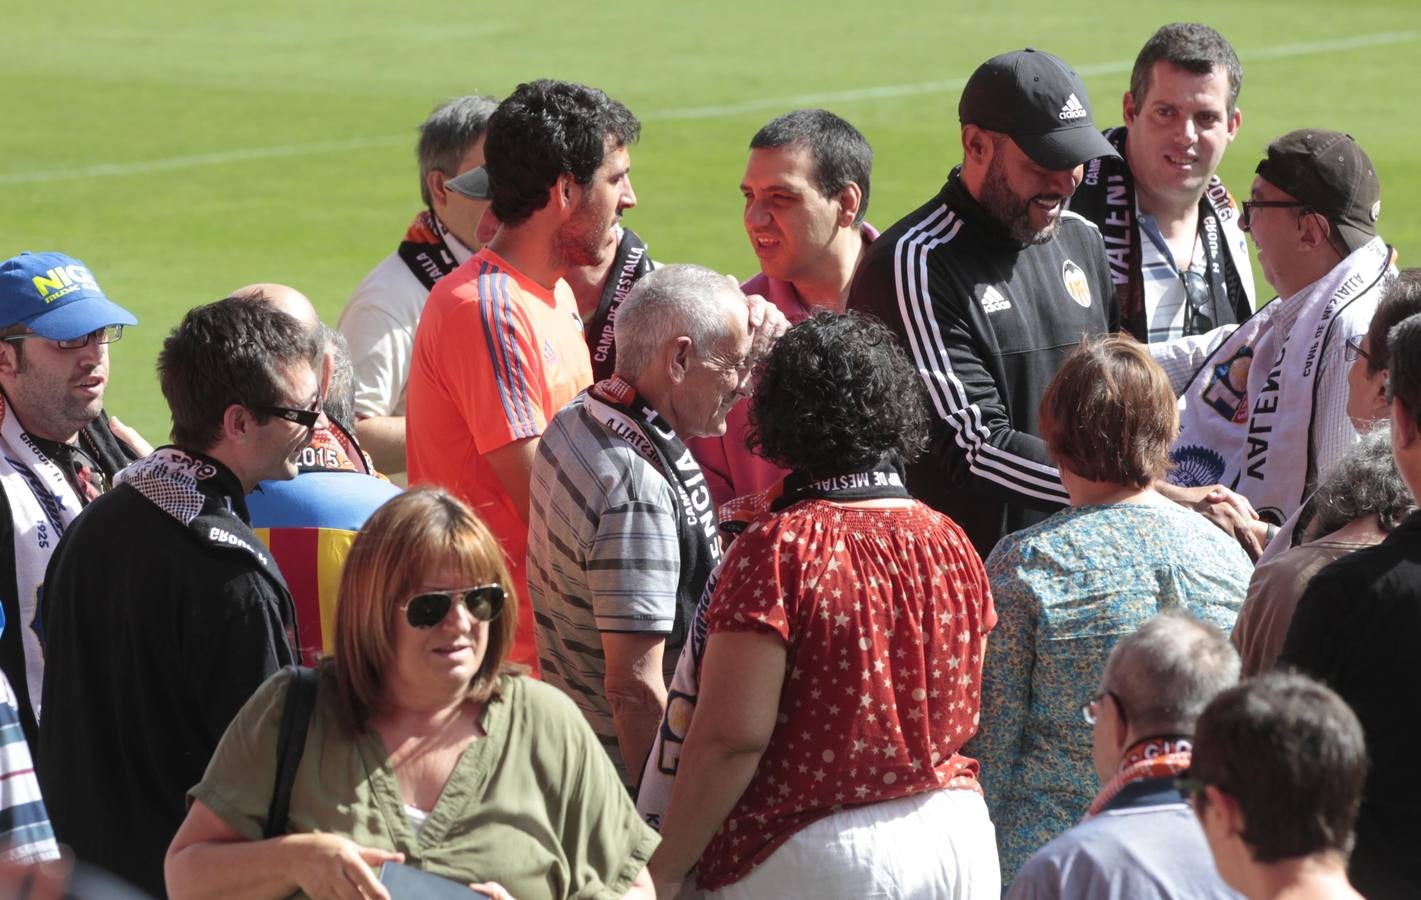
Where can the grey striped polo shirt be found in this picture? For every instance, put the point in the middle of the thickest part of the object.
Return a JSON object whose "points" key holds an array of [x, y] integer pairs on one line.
{"points": [[602, 556]]}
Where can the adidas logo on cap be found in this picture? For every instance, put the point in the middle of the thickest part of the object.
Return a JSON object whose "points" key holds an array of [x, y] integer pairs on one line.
{"points": [[1073, 109]]}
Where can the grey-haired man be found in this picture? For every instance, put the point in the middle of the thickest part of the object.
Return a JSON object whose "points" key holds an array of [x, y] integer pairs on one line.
{"points": [[380, 318]]}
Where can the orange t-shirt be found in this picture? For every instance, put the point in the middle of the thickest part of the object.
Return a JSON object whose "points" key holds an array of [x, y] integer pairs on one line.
{"points": [[495, 355]]}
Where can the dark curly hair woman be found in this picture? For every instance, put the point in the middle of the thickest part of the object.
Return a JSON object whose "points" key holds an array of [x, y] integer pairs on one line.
{"points": [[843, 669]]}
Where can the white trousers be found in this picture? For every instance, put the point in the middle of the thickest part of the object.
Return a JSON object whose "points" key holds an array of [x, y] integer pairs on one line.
{"points": [[937, 846]]}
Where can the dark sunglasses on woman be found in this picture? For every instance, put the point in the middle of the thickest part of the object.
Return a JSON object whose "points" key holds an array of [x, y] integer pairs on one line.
{"points": [[426, 610]]}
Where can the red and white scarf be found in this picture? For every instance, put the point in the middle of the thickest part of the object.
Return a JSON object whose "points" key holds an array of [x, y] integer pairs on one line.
{"points": [[1157, 757]]}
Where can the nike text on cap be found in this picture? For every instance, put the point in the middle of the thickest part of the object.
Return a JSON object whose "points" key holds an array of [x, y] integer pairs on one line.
{"points": [[1040, 102], [1331, 174]]}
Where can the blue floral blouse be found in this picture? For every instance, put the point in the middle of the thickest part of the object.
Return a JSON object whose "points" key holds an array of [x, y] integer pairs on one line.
{"points": [[1065, 591]]}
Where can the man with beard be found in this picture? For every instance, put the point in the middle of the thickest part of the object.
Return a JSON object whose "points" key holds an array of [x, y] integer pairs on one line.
{"points": [[600, 289], [990, 284], [499, 347], [57, 450]]}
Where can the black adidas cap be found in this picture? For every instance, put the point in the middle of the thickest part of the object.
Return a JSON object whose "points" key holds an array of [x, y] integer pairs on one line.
{"points": [[1040, 102]]}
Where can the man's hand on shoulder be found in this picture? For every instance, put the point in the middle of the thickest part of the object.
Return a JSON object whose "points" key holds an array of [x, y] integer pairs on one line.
{"points": [[1251, 534], [1225, 508], [1201, 498], [767, 323]]}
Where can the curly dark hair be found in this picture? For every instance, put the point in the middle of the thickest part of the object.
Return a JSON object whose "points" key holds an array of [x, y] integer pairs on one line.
{"points": [[834, 395], [544, 130], [1364, 483]]}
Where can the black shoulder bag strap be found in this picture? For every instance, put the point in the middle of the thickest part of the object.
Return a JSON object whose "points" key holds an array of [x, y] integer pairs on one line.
{"points": [[290, 744]]}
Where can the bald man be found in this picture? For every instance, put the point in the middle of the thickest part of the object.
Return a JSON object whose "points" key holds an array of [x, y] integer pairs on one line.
{"points": [[284, 298]]}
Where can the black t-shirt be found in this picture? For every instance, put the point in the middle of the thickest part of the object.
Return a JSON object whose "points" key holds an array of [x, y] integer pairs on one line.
{"points": [[153, 641], [1358, 629]]}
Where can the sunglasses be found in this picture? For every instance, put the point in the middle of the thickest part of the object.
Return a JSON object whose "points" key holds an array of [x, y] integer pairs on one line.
{"points": [[106, 335], [426, 610], [1250, 205], [1197, 298], [306, 418]]}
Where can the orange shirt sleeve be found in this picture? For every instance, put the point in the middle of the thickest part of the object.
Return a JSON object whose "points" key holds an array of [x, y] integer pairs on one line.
{"points": [[495, 372]]}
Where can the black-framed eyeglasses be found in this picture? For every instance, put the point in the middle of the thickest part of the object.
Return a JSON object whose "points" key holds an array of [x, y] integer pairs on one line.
{"points": [[428, 609], [306, 418], [1090, 710], [106, 335], [1198, 297], [1250, 205], [1354, 349]]}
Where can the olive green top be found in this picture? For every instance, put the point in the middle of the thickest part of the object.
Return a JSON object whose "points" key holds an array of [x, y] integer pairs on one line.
{"points": [[534, 805]]}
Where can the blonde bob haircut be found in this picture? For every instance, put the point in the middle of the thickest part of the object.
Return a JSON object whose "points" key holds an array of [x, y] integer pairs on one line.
{"points": [[1109, 414], [410, 537]]}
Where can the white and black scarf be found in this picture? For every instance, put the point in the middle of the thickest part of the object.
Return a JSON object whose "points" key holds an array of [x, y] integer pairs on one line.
{"points": [[1107, 197], [630, 265], [1246, 416], [42, 504], [616, 404], [187, 487]]}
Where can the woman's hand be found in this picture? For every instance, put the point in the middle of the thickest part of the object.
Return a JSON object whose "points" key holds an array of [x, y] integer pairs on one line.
{"points": [[492, 889], [330, 866]]}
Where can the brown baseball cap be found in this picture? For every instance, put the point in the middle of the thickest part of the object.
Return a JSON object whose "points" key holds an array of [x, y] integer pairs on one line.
{"points": [[1331, 174]]}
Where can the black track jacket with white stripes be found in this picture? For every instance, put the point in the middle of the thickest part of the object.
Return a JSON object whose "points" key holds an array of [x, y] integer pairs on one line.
{"points": [[987, 321]]}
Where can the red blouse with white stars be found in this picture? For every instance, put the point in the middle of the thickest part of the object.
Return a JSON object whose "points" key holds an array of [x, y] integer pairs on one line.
{"points": [[884, 613]]}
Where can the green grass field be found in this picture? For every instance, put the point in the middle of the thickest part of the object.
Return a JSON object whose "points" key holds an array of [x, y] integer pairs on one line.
{"points": [[184, 150]]}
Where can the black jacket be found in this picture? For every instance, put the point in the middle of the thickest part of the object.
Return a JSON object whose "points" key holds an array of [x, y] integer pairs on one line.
{"points": [[156, 634], [987, 321], [1356, 627]]}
